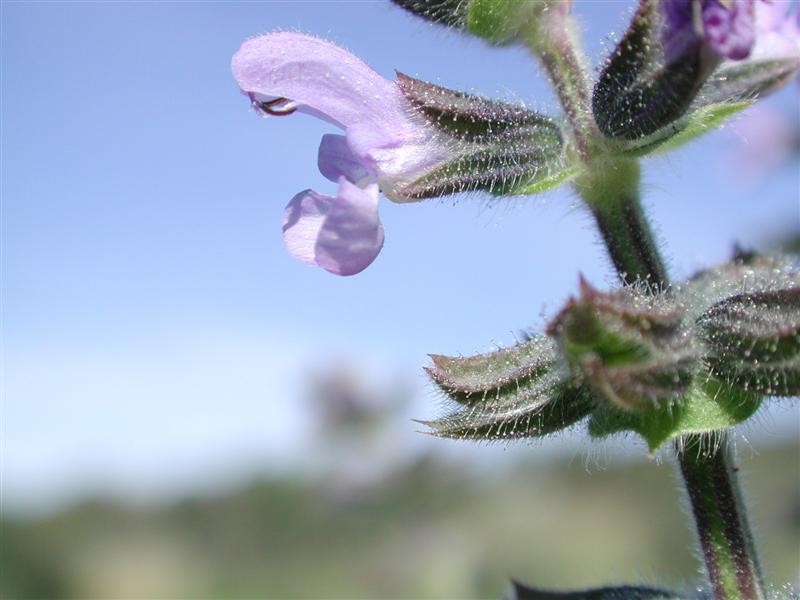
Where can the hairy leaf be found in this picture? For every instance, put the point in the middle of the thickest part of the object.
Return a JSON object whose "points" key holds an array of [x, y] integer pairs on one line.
{"points": [[684, 130]]}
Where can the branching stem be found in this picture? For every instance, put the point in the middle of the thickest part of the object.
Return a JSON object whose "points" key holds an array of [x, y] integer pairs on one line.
{"points": [[610, 187]]}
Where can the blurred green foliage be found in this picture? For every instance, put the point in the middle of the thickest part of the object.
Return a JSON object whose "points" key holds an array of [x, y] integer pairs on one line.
{"points": [[432, 529]]}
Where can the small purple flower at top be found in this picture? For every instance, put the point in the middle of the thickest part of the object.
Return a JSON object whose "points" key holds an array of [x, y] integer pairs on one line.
{"points": [[777, 31], [726, 27], [385, 145]]}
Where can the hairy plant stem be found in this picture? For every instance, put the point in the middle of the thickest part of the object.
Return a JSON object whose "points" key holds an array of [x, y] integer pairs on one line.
{"points": [[710, 475], [610, 188], [553, 42]]}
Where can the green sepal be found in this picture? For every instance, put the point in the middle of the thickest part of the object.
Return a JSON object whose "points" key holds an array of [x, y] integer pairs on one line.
{"points": [[521, 167], [746, 80], [624, 592], [637, 94], [473, 118], [555, 178], [482, 373], [708, 406], [500, 148], [729, 90], [536, 411], [514, 392], [753, 341], [746, 273], [683, 131]]}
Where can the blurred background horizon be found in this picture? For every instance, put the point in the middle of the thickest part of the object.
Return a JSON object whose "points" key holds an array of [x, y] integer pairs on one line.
{"points": [[167, 366]]}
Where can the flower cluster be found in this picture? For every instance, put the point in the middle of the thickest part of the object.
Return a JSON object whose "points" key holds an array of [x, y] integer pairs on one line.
{"points": [[411, 140]]}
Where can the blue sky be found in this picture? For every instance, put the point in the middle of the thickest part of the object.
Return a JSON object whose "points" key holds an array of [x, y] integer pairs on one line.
{"points": [[155, 331]]}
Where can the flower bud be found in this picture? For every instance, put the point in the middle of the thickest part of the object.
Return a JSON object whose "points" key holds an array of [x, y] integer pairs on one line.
{"points": [[632, 348]]}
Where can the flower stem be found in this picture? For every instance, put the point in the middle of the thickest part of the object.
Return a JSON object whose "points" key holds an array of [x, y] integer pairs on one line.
{"points": [[610, 188], [712, 484], [554, 43]]}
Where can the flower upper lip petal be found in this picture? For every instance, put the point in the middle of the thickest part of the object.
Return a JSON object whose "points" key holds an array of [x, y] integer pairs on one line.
{"points": [[320, 75]]}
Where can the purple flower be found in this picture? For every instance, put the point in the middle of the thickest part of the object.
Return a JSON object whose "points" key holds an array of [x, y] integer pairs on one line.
{"points": [[777, 31], [727, 27], [385, 145]]}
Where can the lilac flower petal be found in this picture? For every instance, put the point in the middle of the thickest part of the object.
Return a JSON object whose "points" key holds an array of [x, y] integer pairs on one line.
{"points": [[678, 34], [352, 235], [302, 221], [728, 29], [323, 77], [336, 159], [341, 234], [730, 32], [777, 31]]}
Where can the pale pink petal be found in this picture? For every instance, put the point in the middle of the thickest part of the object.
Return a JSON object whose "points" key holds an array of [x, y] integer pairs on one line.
{"points": [[352, 235], [335, 159], [302, 221], [341, 234]]}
